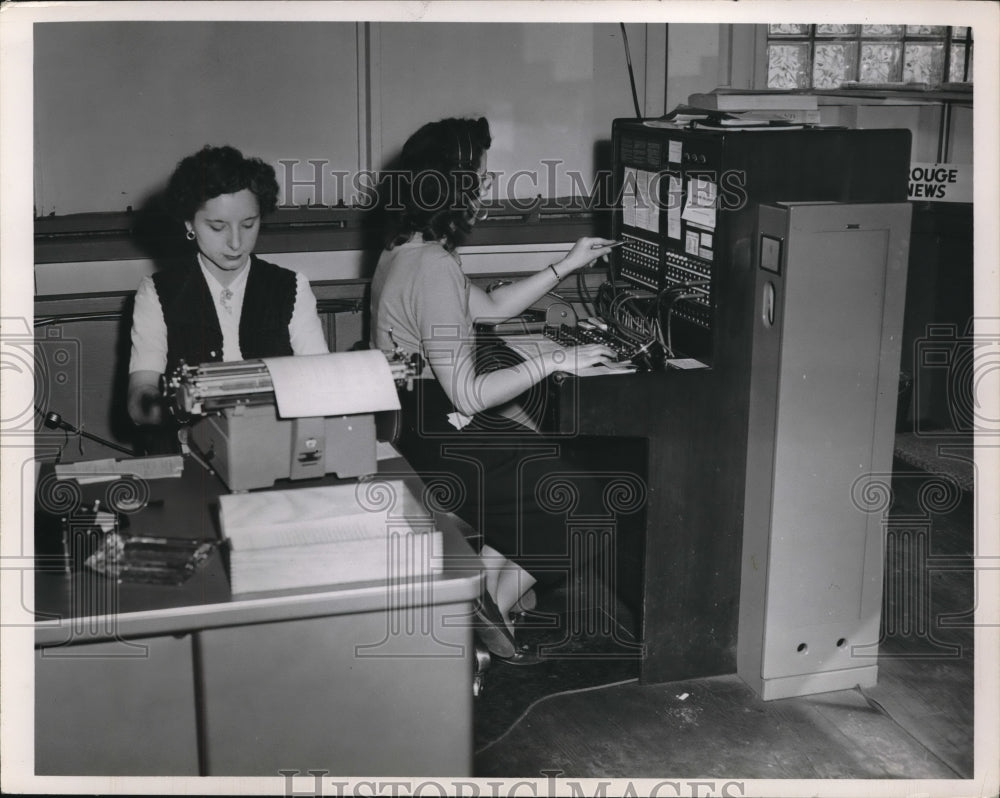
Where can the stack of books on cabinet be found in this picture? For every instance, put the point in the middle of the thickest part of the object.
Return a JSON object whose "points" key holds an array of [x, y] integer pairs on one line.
{"points": [[765, 105], [332, 535]]}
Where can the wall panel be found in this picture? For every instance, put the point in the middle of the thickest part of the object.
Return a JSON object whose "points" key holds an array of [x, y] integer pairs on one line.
{"points": [[117, 104], [550, 92]]}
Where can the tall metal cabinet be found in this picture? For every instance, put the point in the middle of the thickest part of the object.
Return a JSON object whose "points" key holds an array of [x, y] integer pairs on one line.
{"points": [[830, 283]]}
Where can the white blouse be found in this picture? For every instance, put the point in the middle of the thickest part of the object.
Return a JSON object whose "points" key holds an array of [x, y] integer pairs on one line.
{"points": [[149, 330]]}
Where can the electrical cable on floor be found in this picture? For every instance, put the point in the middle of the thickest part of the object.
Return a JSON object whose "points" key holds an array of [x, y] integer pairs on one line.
{"points": [[874, 704], [538, 701]]}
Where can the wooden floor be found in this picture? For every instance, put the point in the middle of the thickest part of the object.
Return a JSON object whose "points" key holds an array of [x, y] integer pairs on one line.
{"points": [[589, 718]]}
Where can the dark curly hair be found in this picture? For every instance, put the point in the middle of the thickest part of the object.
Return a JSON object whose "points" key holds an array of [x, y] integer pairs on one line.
{"points": [[436, 185], [213, 171]]}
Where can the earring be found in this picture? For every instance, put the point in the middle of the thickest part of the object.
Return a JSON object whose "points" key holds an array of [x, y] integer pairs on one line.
{"points": [[474, 210], [190, 236]]}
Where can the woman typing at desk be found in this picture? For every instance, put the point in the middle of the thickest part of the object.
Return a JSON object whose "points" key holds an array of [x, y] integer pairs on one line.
{"points": [[423, 302], [223, 303]]}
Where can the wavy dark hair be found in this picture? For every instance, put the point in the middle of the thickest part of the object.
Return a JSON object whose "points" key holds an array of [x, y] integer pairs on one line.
{"points": [[436, 185], [213, 171]]}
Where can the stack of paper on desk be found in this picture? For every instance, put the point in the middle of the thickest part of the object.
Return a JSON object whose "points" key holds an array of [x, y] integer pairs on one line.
{"points": [[373, 530], [108, 469]]}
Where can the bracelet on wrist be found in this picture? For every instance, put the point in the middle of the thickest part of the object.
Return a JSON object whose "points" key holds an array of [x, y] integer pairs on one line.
{"points": [[558, 276]]}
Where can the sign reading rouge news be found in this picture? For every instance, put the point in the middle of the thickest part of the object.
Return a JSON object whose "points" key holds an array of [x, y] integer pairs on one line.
{"points": [[940, 182]]}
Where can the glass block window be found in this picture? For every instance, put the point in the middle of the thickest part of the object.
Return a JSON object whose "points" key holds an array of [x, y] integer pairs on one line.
{"points": [[788, 66], [880, 61], [831, 56], [834, 64]]}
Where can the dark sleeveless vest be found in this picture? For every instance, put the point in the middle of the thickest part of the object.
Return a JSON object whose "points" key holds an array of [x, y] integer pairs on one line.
{"points": [[193, 331]]}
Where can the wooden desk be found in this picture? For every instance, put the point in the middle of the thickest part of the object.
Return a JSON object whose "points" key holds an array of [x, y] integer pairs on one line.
{"points": [[686, 434], [187, 680], [694, 430]]}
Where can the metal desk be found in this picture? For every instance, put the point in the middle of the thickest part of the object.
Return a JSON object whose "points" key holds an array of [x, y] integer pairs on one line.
{"points": [[187, 680]]}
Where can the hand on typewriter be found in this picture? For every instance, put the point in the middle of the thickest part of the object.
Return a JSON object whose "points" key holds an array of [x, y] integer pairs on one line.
{"points": [[145, 402]]}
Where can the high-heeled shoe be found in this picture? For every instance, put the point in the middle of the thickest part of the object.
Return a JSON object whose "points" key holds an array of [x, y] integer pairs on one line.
{"points": [[526, 603], [491, 628], [525, 655]]}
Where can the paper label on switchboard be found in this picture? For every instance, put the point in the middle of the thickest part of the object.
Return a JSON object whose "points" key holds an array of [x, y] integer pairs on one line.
{"points": [[639, 206], [337, 384], [700, 205], [647, 211], [691, 242], [674, 203], [674, 149], [628, 197]]}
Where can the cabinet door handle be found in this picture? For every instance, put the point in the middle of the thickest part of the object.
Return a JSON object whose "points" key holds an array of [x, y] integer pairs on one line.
{"points": [[767, 311]]}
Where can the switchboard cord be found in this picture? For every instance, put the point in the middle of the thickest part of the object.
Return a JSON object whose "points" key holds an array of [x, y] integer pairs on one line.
{"points": [[586, 297], [673, 295], [623, 310]]}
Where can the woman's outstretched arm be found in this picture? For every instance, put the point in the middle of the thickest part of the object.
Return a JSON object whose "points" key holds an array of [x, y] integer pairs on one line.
{"points": [[510, 300]]}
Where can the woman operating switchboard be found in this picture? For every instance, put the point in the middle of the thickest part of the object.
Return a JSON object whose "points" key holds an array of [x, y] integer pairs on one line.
{"points": [[422, 302]]}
